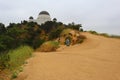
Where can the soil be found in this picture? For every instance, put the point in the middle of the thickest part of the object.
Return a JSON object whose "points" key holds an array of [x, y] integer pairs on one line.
{"points": [[97, 58]]}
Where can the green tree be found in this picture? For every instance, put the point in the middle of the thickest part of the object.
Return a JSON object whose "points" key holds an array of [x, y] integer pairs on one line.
{"points": [[2, 28], [55, 33], [6, 43]]}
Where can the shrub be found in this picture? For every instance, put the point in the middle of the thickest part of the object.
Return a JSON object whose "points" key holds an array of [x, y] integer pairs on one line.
{"points": [[15, 58], [6, 43], [66, 31], [14, 75], [104, 34], [115, 36], [93, 32], [18, 56], [4, 59], [49, 46], [55, 33]]}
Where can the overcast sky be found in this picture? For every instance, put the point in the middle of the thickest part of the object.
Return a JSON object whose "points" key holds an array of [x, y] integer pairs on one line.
{"points": [[100, 15]]}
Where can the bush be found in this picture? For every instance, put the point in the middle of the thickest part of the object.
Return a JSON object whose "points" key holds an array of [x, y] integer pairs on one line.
{"points": [[49, 46], [101, 34], [4, 59], [15, 58], [14, 75], [93, 32], [66, 31], [104, 34], [115, 36], [6, 43], [19, 55], [55, 33]]}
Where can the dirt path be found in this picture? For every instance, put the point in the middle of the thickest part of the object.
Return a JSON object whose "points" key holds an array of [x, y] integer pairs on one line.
{"points": [[98, 58]]}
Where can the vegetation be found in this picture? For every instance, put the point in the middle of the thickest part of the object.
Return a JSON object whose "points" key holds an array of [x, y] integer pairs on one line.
{"points": [[115, 36], [105, 34], [49, 46], [56, 33], [15, 36], [30, 33], [74, 26], [15, 58], [65, 31], [93, 32]]}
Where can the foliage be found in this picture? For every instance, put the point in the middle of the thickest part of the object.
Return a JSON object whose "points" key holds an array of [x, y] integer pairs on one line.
{"points": [[56, 33], [48, 26], [15, 58], [115, 36], [93, 32], [65, 31], [28, 33], [6, 43], [75, 26], [49, 46], [14, 75], [4, 59], [2, 28], [19, 55], [104, 34]]}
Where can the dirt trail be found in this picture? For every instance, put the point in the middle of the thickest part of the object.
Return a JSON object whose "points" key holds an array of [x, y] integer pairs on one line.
{"points": [[98, 58]]}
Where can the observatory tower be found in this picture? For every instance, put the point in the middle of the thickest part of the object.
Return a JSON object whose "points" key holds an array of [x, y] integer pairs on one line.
{"points": [[43, 17]]}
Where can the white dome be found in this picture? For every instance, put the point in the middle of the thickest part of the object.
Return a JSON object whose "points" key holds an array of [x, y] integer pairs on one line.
{"points": [[43, 17]]}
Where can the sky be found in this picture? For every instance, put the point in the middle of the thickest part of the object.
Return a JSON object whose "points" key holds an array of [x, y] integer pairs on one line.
{"points": [[100, 15]]}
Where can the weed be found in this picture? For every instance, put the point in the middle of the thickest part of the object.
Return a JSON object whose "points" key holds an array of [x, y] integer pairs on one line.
{"points": [[49, 46], [14, 75]]}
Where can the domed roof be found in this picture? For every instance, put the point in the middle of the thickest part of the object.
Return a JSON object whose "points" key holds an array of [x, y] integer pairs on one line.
{"points": [[44, 12], [31, 17]]}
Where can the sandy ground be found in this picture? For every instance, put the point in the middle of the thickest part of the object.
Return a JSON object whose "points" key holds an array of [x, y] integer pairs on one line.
{"points": [[97, 58]]}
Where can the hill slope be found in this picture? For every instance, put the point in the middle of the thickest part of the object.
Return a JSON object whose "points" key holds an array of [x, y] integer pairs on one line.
{"points": [[98, 58]]}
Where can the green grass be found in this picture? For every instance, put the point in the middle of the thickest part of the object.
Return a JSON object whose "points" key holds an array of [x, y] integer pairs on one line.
{"points": [[18, 56], [15, 58], [13, 61], [14, 75]]}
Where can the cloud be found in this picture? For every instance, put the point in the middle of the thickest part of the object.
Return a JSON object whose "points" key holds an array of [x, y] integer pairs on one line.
{"points": [[99, 15]]}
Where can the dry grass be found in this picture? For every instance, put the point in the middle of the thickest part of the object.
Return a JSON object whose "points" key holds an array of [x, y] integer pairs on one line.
{"points": [[48, 46], [66, 31]]}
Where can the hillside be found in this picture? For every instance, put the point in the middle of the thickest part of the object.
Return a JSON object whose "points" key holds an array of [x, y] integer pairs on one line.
{"points": [[97, 58]]}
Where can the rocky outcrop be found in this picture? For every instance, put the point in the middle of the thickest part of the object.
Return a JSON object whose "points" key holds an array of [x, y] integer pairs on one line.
{"points": [[73, 35]]}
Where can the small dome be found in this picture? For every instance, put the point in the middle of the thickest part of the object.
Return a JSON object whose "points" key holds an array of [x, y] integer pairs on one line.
{"points": [[30, 17], [44, 12]]}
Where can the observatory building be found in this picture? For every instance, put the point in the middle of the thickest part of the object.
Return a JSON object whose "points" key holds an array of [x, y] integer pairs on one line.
{"points": [[43, 17]]}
